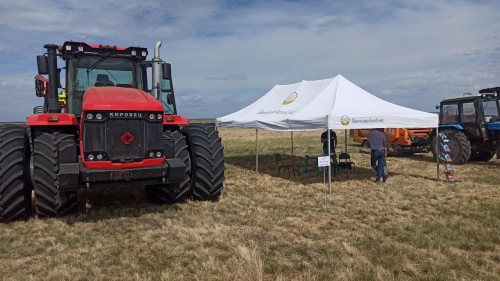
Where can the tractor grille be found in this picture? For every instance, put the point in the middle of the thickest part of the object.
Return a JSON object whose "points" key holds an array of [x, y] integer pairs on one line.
{"points": [[121, 139]]}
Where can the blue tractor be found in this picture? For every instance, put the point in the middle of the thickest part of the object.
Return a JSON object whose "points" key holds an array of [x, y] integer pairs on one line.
{"points": [[472, 124]]}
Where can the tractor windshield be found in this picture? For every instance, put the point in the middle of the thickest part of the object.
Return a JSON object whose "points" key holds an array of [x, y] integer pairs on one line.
{"points": [[88, 71]]}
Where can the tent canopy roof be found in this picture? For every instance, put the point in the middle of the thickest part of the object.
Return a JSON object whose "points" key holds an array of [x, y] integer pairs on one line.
{"points": [[334, 103]]}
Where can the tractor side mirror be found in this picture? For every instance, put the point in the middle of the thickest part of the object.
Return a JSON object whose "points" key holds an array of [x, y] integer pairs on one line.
{"points": [[166, 69], [43, 64], [170, 99], [437, 106]]}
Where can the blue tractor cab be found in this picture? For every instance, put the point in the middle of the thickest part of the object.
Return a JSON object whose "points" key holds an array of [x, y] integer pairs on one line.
{"points": [[472, 124]]}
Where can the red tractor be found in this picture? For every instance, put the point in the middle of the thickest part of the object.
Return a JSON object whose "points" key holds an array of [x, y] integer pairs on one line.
{"points": [[110, 128]]}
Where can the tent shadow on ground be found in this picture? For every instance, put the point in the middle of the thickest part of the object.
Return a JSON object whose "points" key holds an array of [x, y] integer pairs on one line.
{"points": [[268, 166]]}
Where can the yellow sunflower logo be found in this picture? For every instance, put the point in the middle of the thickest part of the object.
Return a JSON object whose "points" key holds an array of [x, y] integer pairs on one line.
{"points": [[291, 98], [345, 120]]}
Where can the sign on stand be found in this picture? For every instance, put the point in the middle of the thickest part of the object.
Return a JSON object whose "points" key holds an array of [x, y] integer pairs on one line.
{"points": [[323, 161]]}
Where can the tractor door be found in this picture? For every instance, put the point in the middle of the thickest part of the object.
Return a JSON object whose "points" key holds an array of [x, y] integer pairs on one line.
{"points": [[167, 97], [489, 114], [470, 119], [449, 113]]}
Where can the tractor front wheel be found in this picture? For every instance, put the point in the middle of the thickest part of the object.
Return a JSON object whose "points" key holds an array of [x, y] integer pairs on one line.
{"points": [[52, 147], [15, 194], [460, 148], [178, 192], [208, 161]]}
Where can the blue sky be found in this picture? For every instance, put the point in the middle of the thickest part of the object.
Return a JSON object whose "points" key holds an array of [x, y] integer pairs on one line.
{"points": [[227, 54]]}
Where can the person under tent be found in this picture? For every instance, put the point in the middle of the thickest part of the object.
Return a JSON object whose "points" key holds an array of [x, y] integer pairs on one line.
{"points": [[378, 145]]}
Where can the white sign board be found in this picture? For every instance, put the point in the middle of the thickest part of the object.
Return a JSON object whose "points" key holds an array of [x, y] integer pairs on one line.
{"points": [[323, 161]]}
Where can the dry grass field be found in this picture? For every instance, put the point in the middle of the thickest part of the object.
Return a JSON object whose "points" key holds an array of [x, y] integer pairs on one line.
{"points": [[266, 227]]}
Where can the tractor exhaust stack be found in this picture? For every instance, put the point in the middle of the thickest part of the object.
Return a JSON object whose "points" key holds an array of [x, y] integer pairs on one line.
{"points": [[54, 106], [156, 72]]}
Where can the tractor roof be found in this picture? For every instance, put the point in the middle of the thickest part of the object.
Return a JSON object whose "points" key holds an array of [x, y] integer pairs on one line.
{"points": [[71, 49], [484, 93]]}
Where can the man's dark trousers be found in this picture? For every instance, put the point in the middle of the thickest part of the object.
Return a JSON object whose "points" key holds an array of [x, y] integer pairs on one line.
{"points": [[378, 162]]}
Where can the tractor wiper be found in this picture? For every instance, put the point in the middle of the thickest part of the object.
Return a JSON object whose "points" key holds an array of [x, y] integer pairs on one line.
{"points": [[98, 62]]}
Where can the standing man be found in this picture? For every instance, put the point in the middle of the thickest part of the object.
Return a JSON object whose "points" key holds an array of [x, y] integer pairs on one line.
{"points": [[333, 141], [378, 145]]}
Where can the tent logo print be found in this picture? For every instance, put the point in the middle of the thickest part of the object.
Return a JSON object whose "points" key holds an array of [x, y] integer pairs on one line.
{"points": [[291, 98], [345, 120]]}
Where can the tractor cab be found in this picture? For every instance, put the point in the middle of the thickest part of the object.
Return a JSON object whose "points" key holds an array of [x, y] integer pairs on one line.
{"points": [[478, 115], [107, 66], [472, 123]]}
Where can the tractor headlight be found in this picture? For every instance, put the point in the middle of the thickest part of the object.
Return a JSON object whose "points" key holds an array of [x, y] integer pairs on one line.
{"points": [[91, 157], [90, 116], [98, 116], [159, 116], [99, 157], [151, 154], [151, 116], [158, 154]]}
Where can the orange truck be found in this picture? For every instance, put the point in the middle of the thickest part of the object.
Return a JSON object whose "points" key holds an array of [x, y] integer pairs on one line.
{"points": [[402, 141]]}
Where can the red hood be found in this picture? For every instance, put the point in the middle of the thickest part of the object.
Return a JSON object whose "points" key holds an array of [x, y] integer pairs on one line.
{"points": [[117, 98]]}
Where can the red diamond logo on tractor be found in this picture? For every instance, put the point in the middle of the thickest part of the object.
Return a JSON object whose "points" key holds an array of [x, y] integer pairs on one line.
{"points": [[127, 138]]}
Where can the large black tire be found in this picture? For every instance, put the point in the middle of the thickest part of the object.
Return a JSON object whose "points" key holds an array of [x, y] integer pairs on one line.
{"points": [[459, 145], [174, 193], [15, 194], [365, 144], [49, 201], [396, 150], [208, 161]]}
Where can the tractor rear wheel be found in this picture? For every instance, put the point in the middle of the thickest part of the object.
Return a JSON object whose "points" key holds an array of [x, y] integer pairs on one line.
{"points": [[15, 194], [460, 148], [178, 192], [48, 147], [208, 161], [482, 155]]}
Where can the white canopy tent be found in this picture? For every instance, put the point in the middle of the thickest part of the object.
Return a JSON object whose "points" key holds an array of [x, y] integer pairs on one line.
{"points": [[334, 103]]}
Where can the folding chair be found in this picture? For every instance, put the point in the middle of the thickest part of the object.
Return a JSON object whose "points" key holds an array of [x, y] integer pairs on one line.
{"points": [[345, 161], [283, 165]]}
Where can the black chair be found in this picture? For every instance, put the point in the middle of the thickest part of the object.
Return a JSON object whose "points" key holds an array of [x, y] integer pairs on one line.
{"points": [[345, 161], [103, 80], [283, 165]]}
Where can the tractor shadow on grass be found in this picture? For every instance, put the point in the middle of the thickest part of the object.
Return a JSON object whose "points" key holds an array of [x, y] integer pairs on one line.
{"points": [[116, 203]]}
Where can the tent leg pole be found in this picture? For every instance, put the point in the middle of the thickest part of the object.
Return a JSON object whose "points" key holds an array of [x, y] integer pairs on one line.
{"points": [[329, 155], [257, 151], [329, 166], [436, 147], [345, 132], [291, 137]]}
